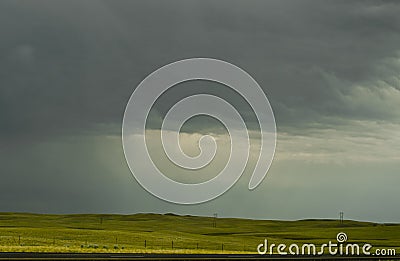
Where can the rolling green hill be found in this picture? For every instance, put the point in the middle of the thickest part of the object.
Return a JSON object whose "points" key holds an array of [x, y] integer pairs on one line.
{"points": [[168, 233]]}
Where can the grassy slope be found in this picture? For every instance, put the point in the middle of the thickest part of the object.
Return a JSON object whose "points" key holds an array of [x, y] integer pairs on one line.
{"points": [[101, 233]]}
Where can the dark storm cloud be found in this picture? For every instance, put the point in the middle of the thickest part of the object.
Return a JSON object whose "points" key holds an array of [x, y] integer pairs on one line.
{"points": [[70, 66]]}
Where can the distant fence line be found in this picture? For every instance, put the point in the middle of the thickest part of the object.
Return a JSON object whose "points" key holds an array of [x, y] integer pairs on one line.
{"points": [[153, 244]]}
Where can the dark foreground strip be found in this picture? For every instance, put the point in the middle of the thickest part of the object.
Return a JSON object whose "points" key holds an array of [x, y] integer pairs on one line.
{"points": [[113, 256]]}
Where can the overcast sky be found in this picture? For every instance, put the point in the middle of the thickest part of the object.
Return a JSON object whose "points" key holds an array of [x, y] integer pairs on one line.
{"points": [[330, 70]]}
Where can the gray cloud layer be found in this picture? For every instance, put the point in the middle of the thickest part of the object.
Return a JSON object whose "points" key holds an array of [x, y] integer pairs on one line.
{"points": [[67, 66]]}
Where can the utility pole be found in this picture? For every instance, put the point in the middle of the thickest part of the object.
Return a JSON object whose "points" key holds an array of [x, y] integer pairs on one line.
{"points": [[215, 220], [341, 217]]}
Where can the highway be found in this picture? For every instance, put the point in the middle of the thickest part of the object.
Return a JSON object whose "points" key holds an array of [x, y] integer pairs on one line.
{"points": [[117, 256]]}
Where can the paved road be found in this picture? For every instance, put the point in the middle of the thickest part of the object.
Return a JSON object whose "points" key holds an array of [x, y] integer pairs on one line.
{"points": [[111, 256]]}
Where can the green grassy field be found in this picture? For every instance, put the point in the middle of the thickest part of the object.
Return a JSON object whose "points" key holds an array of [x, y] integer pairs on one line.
{"points": [[154, 233]]}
